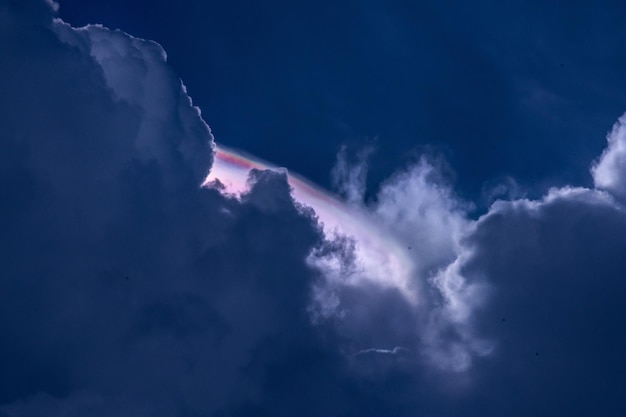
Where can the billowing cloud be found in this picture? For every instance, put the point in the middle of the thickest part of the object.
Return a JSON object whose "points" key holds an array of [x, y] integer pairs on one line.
{"points": [[128, 288], [610, 170], [555, 273]]}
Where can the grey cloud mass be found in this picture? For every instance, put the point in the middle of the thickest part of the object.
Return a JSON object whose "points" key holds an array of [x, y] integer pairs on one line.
{"points": [[126, 289]]}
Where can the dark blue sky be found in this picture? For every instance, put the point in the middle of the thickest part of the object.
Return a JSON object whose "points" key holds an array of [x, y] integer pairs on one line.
{"points": [[128, 289], [517, 88]]}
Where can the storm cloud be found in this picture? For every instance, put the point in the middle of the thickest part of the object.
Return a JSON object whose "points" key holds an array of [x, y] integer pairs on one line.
{"points": [[129, 289]]}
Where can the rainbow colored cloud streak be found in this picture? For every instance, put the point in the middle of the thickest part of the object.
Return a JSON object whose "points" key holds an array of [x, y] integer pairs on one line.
{"points": [[381, 258]]}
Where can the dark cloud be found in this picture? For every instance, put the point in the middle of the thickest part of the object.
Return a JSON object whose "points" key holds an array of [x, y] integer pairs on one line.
{"points": [[129, 290], [555, 270], [126, 288]]}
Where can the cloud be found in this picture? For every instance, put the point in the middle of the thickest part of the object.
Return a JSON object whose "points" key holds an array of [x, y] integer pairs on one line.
{"points": [[349, 179], [554, 271], [398, 350], [608, 172], [171, 130], [377, 282], [129, 289], [521, 304], [419, 211]]}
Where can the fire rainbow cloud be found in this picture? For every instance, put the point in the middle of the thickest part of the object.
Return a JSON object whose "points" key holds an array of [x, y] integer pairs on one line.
{"points": [[381, 258]]}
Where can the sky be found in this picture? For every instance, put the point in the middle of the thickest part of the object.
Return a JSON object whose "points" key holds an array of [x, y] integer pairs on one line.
{"points": [[315, 209]]}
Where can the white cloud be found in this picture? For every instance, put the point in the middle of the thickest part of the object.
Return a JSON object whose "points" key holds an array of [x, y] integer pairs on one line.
{"points": [[424, 221], [423, 212], [422, 215], [609, 172]]}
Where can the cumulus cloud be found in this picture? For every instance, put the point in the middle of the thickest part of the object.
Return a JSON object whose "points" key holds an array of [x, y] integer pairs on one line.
{"points": [[171, 130], [504, 293], [420, 212], [555, 271], [129, 289], [609, 171]]}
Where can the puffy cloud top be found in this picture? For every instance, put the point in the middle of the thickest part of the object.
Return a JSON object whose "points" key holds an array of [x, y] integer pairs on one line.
{"points": [[609, 172]]}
